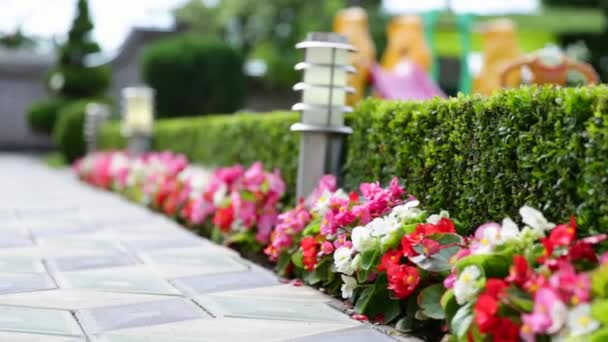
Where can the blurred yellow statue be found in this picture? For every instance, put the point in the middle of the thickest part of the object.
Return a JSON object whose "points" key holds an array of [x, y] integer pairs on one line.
{"points": [[500, 48], [352, 23], [406, 42]]}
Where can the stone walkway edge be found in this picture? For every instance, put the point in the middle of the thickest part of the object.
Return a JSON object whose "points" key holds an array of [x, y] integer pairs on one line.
{"points": [[82, 264]]}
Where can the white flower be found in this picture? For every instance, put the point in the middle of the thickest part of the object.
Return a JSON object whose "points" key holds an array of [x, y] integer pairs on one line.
{"points": [[406, 211], [343, 261], [535, 219], [383, 226], [434, 219], [220, 195], [559, 316], [356, 262], [362, 238], [322, 204], [509, 230], [465, 287], [580, 321], [348, 286]]}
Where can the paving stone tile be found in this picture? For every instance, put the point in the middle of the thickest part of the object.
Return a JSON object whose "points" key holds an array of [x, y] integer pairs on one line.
{"points": [[195, 285], [122, 279], [280, 292], [21, 264], [222, 329], [24, 337], [67, 264], [258, 308], [359, 334], [12, 239], [156, 244], [98, 320], [41, 321], [21, 282], [174, 264], [76, 299]]}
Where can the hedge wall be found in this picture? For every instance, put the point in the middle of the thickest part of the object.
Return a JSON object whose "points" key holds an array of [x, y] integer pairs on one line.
{"points": [[480, 157], [221, 140]]}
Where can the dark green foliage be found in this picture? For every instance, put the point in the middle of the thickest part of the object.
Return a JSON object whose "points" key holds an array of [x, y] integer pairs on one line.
{"points": [[72, 77], [223, 140], [41, 115], [68, 131], [193, 76], [68, 134], [483, 158]]}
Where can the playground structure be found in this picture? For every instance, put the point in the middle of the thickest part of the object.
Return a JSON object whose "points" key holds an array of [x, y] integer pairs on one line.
{"points": [[408, 69]]}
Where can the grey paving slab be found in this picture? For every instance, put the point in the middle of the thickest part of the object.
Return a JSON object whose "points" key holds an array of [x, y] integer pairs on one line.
{"points": [[82, 264], [21, 282], [98, 320], [34, 320], [201, 284]]}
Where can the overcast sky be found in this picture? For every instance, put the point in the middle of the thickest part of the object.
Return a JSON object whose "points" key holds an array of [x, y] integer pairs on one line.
{"points": [[114, 18]]}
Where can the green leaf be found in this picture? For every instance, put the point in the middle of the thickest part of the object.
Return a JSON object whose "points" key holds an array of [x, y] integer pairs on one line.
{"points": [[462, 320], [600, 335], [492, 265], [362, 276], [446, 238], [283, 263], [296, 258], [520, 299], [247, 196], [364, 299], [599, 281], [429, 301], [438, 262], [313, 228], [370, 259], [599, 310], [449, 304]]}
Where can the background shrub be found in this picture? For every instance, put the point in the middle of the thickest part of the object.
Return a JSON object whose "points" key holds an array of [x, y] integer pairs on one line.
{"points": [[192, 76], [223, 140], [478, 157], [68, 131], [41, 115], [481, 158]]}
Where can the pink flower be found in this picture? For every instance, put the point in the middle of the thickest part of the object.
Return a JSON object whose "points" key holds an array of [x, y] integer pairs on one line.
{"points": [[327, 247], [572, 287], [449, 281], [342, 241], [548, 316]]}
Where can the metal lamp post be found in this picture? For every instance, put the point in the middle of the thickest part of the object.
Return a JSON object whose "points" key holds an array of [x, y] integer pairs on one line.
{"points": [[322, 109], [138, 118], [95, 115]]}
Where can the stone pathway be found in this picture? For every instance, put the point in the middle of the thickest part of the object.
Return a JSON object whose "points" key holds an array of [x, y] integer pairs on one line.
{"points": [[80, 264]]}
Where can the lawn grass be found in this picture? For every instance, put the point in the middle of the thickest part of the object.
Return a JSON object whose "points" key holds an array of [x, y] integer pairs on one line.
{"points": [[54, 160]]}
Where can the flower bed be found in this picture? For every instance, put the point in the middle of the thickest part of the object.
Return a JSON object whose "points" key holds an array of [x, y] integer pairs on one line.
{"points": [[393, 261]]}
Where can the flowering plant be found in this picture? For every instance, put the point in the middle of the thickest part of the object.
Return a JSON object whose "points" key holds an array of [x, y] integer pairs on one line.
{"points": [[532, 284]]}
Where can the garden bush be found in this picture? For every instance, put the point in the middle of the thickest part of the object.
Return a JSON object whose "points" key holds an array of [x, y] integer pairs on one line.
{"points": [[478, 157], [68, 132], [483, 157], [193, 76], [221, 140], [42, 115]]}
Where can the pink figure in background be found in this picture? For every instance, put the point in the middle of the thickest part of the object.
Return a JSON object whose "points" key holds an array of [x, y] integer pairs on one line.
{"points": [[405, 82]]}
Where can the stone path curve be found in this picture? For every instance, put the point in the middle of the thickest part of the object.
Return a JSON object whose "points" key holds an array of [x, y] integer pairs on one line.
{"points": [[81, 264]]}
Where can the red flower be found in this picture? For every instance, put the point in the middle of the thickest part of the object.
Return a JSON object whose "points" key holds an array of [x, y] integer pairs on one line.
{"points": [[309, 248], [408, 242], [430, 247], [519, 272], [582, 251], [402, 280], [485, 311], [496, 288], [390, 258], [506, 331], [223, 218], [445, 225]]}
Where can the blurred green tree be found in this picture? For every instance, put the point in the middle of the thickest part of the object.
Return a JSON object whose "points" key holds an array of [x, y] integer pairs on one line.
{"points": [[267, 29]]}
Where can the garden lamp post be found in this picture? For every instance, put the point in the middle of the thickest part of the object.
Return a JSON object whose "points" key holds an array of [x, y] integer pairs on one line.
{"points": [[324, 88], [138, 118], [95, 115]]}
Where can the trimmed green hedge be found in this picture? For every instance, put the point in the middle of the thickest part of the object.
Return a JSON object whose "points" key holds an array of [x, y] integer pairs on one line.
{"points": [[194, 76], [221, 140], [478, 157], [42, 115], [481, 157]]}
